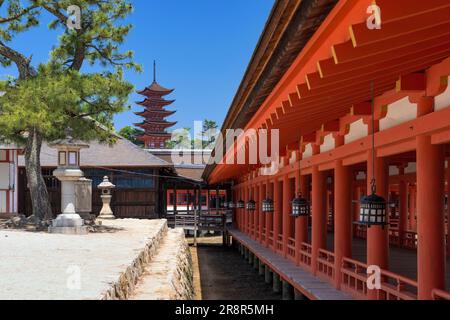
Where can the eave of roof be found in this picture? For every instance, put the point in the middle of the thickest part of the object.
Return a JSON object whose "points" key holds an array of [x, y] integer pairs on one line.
{"points": [[290, 25]]}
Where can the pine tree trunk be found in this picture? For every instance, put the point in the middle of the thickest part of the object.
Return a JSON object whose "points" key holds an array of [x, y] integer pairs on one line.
{"points": [[38, 190]]}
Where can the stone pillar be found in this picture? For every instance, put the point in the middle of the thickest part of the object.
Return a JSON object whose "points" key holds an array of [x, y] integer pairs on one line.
{"points": [[260, 267], [430, 217], [287, 198], [342, 216], [287, 291], [267, 274], [276, 283], [319, 221], [377, 236], [298, 295]]}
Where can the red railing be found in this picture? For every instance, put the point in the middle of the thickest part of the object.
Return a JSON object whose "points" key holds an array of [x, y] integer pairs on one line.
{"points": [[306, 254], [396, 287], [271, 238], [291, 248], [410, 240], [361, 231], [325, 264], [354, 277], [440, 294], [392, 286], [280, 243]]}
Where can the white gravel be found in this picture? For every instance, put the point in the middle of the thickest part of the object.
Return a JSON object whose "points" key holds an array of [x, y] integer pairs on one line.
{"points": [[38, 266]]}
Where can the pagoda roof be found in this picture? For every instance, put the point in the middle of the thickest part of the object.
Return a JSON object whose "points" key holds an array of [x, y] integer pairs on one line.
{"points": [[153, 134], [162, 112], [155, 89], [150, 123], [149, 102]]}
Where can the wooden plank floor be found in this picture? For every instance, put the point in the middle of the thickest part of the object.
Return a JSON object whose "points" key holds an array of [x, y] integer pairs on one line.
{"points": [[302, 280]]}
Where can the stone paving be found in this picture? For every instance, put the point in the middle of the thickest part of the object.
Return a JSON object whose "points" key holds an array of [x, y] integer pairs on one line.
{"points": [[38, 266]]}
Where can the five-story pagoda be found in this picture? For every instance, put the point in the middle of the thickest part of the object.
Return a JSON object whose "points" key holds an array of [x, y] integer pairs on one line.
{"points": [[154, 114]]}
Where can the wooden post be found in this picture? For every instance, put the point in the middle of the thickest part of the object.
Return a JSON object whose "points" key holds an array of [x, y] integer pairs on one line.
{"points": [[319, 234], [430, 217]]}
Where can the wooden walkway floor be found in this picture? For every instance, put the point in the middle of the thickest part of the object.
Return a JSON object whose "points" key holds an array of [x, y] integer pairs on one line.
{"points": [[302, 280]]}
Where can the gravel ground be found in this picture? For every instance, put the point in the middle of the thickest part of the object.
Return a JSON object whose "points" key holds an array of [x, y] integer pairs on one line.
{"points": [[38, 266]]}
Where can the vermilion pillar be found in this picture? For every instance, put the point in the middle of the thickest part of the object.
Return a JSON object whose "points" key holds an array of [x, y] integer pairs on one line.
{"points": [[403, 205], [378, 236], [277, 217], [342, 217], [430, 217], [412, 208], [269, 216], [448, 208], [261, 214], [287, 198], [301, 223], [319, 221], [256, 213]]}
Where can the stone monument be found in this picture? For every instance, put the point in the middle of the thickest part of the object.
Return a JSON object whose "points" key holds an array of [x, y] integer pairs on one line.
{"points": [[69, 173], [106, 188]]}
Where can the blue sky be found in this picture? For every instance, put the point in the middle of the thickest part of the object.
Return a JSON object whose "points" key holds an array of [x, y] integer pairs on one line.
{"points": [[202, 48]]}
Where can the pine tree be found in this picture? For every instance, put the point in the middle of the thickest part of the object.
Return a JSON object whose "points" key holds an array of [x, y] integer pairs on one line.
{"points": [[44, 100]]}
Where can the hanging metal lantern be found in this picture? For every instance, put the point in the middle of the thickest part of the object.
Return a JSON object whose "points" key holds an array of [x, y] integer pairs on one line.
{"points": [[300, 207], [251, 205], [240, 204], [372, 210], [373, 207], [231, 205], [225, 205], [268, 206]]}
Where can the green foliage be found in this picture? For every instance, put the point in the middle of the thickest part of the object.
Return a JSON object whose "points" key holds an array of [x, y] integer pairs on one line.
{"points": [[130, 133], [56, 95], [55, 100]]}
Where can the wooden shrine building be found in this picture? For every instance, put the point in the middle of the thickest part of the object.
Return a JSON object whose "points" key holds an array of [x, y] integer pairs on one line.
{"points": [[327, 74]]}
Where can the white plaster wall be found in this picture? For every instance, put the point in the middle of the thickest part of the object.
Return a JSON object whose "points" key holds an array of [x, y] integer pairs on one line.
{"points": [[442, 101], [308, 151], [411, 168], [399, 112], [328, 143], [358, 130]]}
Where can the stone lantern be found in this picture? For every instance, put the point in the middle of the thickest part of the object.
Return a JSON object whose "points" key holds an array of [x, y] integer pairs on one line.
{"points": [[69, 173], [106, 187]]}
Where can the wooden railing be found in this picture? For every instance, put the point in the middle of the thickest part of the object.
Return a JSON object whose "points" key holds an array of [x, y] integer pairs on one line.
{"points": [[396, 287], [291, 248], [410, 240], [271, 238], [440, 294], [325, 264], [392, 286], [279, 243], [354, 277], [306, 254]]}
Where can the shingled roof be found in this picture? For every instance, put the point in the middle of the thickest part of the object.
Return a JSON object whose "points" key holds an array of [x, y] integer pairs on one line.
{"points": [[122, 154]]}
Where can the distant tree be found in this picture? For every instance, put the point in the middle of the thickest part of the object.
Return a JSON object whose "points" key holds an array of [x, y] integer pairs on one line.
{"points": [[181, 139], [131, 133], [209, 133], [43, 101]]}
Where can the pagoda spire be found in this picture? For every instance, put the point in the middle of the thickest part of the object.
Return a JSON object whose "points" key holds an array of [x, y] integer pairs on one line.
{"points": [[154, 70]]}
